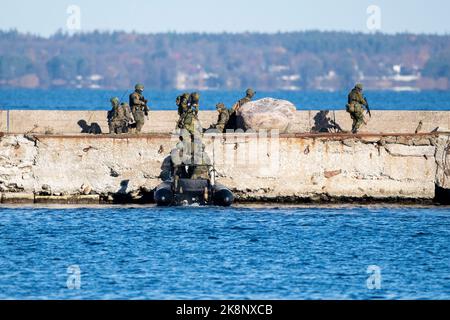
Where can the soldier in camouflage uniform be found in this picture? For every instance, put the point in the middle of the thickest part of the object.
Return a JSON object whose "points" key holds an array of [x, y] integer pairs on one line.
{"points": [[111, 113], [183, 107], [194, 103], [235, 122], [189, 121], [188, 111], [202, 164], [223, 118], [183, 104], [139, 107], [126, 116], [121, 118], [355, 106]]}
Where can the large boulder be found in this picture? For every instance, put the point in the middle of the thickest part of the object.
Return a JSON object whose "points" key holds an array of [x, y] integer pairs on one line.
{"points": [[268, 114]]}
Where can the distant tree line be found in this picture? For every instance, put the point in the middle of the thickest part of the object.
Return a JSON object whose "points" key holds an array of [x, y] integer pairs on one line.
{"points": [[304, 60]]}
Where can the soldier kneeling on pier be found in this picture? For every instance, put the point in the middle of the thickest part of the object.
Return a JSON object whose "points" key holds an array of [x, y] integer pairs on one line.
{"points": [[119, 117]]}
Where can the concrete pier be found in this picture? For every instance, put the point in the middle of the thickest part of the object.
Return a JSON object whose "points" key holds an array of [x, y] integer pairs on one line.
{"points": [[61, 165], [74, 122]]}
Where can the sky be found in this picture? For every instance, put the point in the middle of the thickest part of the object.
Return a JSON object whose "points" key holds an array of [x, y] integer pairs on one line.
{"points": [[45, 17]]}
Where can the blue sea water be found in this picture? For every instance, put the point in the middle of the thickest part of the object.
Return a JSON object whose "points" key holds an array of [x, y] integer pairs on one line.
{"points": [[216, 253], [255, 252], [83, 99]]}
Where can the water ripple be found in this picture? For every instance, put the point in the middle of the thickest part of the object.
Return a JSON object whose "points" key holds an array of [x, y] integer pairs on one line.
{"points": [[240, 253]]}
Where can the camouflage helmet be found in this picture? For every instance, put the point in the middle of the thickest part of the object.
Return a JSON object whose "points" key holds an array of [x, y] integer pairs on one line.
{"points": [[124, 104], [359, 86], [220, 106], [250, 92], [185, 95], [139, 87], [114, 100]]}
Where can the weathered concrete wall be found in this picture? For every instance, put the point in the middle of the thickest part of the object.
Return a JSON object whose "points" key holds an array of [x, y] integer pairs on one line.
{"points": [[443, 162], [290, 168], [66, 122]]}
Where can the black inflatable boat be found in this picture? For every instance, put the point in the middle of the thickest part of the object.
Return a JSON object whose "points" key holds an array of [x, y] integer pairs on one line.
{"points": [[180, 191]]}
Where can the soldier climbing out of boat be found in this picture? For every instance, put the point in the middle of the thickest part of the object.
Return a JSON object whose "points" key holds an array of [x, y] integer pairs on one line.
{"points": [[202, 164], [188, 107]]}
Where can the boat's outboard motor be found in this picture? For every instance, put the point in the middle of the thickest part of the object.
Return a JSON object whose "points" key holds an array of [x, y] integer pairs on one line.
{"points": [[222, 196], [164, 194]]}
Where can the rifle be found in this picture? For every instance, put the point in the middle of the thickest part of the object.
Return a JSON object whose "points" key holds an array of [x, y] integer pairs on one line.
{"points": [[335, 126], [368, 108]]}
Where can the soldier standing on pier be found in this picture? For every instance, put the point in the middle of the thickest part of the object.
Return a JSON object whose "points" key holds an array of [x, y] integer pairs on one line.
{"points": [[139, 107], [356, 105]]}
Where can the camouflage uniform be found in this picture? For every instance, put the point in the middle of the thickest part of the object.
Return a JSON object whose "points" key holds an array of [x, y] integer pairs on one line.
{"points": [[125, 116], [139, 107], [235, 121], [203, 163], [121, 119], [188, 115], [128, 117], [112, 113], [194, 103], [183, 103], [183, 106], [355, 106], [224, 117]]}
